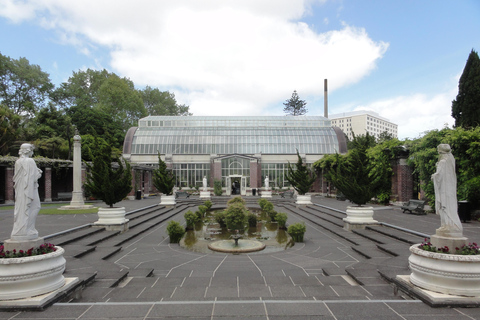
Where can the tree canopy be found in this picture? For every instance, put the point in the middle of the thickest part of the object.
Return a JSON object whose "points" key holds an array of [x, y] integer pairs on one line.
{"points": [[24, 87], [301, 178], [466, 106], [295, 106], [162, 103]]}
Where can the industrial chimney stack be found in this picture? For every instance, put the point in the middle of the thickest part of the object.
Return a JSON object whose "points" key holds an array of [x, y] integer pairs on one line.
{"points": [[325, 98]]}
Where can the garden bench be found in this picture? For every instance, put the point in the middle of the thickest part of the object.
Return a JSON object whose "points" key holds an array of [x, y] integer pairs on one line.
{"points": [[182, 194], [414, 207], [287, 194]]}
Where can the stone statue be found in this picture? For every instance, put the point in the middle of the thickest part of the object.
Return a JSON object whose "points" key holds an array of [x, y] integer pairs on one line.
{"points": [[445, 183], [205, 183], [27, 200], [267, 183]]}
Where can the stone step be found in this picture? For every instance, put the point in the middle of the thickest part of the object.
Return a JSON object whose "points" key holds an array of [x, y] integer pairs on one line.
{"points": [[75, 236], [397, 234], [370, 251]]}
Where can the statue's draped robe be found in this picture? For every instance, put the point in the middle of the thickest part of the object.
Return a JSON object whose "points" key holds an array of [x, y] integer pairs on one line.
{"points": [[445, 183], [27, 200]]}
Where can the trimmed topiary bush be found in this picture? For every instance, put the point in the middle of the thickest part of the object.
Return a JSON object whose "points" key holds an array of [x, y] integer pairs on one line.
{"points": [[190, 218], [175, 231], [236, 200], [208, 204], [281, 219], [296, 231], [202, 209], [262, 202], [217, 187], [220, 218], [272, 214], [236, 216], [252, 219]]}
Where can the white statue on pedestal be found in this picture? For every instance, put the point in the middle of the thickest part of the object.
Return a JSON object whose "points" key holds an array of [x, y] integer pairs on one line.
{"points": [[267, 183], [445, 183], [205, 183], [27, 200]]}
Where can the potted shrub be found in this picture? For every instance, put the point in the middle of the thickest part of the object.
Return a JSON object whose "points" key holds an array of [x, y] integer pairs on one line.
{"points": [[220, 218], [296, 231], [164, 181], [217, 187], [190, 219], [175, 231], [208, 204], [110, 184], [281, 219], [356, 178], [301, 178], [236, 217], [252, 219]]}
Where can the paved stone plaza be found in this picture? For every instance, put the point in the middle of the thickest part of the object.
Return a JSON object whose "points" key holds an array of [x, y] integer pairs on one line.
{"points": [[334, 274]]}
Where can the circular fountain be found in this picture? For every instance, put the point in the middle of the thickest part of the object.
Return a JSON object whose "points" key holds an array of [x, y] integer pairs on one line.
{"points": [[236, 245]]}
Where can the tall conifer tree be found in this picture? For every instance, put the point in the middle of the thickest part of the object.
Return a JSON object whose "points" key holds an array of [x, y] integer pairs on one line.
{"points": [[466, 107]]}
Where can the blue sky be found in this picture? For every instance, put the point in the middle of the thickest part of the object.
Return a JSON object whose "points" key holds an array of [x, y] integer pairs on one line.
{"points": [[401, 59]]}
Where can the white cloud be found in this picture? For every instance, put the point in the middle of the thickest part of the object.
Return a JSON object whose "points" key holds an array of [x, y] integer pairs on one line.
{"points": [[415, 114], [221, 57]]}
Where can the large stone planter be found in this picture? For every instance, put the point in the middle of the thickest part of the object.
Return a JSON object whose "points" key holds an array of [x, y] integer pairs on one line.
{"points": [[358, 218], [113, 219], [168, 201], [304, 200], [445, 273], [31, 276]]}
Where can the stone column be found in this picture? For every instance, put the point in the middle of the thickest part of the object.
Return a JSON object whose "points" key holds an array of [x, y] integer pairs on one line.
{"points": [[48, 185], [9, 196], [77, 194]]}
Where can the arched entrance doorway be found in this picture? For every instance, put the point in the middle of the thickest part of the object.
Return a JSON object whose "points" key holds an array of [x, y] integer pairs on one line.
{"points": [[236, 185]]}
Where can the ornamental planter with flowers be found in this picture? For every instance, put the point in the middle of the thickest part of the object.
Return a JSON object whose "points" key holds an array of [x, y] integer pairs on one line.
{"points": [[31, 273], [454, 274]]}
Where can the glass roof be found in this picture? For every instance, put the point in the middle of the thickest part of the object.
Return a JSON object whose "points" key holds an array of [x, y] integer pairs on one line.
{"points": [[228, 135]]}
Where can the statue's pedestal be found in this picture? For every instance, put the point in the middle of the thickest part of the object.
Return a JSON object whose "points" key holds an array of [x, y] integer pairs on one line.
{"points": [[452, 243], [10, 245], [266, 194], [77, 202], [204, 194]]}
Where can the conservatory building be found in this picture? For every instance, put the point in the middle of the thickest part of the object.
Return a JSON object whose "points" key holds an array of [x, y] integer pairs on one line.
{"points": [[238, 151]]}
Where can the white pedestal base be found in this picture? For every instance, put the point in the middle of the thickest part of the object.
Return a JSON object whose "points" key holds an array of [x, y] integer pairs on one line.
{"points": [[266, 194], [112, 219], [358, 218], [204, 194], [303, 200], [168, 201]]}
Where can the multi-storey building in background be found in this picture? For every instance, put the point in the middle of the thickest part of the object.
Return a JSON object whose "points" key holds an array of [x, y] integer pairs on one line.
{"points": [[361, 122]]}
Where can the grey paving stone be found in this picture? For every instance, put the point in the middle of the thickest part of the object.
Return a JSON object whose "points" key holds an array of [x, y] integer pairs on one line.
{"points": [[54, 312], [362, 310], [352, 291], [333, 280], [255, 291], [287, 291], [277, 280], [196, 282], [181, 310], [239, 309], [117, 311], [189, 293], [222, 292], [317, 309]]}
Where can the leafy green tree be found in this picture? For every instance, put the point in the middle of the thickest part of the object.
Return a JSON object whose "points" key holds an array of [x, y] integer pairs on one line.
{"points": [[295, 106], [163, 178], [162, 103], [118, 97], [106, 182], [466, 106], [24, 87], [301, 178], [9, 128], [465, 148]]}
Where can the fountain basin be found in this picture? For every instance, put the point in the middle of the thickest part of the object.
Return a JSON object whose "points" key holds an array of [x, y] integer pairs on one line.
{"points": [[244, 246]]}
